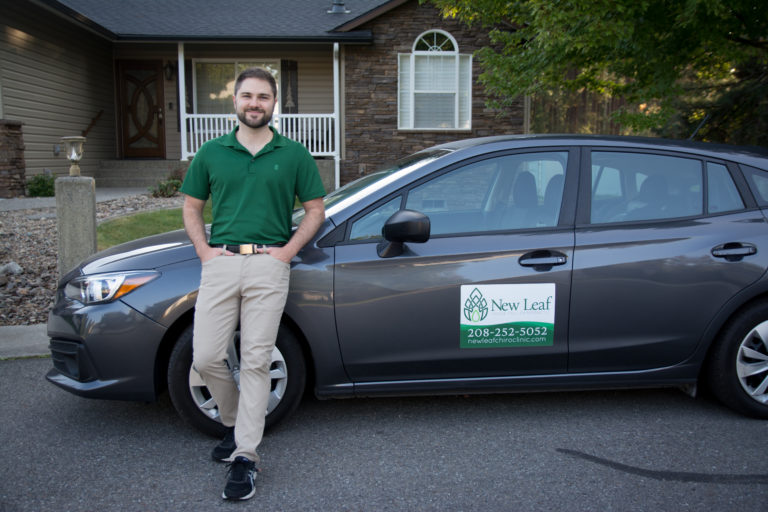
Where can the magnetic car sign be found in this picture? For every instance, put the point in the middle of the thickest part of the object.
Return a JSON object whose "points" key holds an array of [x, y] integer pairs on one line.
{"points": [[507, 315]]}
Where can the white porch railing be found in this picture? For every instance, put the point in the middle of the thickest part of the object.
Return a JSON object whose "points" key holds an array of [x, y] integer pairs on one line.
{"points": [[315, 131]]}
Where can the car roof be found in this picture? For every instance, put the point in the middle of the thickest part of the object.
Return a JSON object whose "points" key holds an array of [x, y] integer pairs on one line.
{"points": [[744, 154]]}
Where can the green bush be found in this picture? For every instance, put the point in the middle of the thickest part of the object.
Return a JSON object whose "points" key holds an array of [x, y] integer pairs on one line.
{"points": [[41, 185], [167, 188]]}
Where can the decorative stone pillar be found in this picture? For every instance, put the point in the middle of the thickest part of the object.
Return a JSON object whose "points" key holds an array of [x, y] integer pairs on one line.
{"points": [[75, 220]]}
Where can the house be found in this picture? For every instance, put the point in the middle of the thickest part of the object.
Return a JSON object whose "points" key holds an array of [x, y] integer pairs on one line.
{"points": [[362, 82]]}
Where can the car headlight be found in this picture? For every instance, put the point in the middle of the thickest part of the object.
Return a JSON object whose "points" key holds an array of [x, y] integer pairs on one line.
{"points": [[97, 288]]}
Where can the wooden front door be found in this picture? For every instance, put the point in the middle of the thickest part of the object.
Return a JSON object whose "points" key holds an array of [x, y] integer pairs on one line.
{"points": [[141, 108]]}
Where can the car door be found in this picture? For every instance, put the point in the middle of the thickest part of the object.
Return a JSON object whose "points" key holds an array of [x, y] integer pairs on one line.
{"points": [[501, 246], [663, 241]]}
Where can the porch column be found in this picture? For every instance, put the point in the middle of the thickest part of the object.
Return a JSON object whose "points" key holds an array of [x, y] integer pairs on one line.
{"points": [[182, 105], [337, 114]]}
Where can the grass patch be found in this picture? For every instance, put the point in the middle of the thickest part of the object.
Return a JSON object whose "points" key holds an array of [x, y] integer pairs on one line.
{"points": [[139, 225]]}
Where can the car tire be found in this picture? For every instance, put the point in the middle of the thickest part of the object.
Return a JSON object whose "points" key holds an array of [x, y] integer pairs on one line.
{"points": [[195, 405], [738, 363]]}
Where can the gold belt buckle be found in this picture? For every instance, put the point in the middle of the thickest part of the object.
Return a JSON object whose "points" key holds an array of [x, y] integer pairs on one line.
{"points": [[247, 249]]}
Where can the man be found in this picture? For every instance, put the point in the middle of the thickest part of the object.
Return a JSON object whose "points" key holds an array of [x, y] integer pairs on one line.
{"points": [[253, 176]]}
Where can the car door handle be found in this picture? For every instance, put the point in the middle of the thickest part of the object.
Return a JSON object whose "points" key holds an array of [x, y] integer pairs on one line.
{"points": [[542, 259], [734, 251]]}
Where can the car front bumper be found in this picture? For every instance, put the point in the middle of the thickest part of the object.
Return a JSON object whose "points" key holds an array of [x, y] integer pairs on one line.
{"points": [[104, 351]]}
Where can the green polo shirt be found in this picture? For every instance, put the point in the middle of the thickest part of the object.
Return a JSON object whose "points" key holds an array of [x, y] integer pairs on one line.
{"points": [[252, 196]]}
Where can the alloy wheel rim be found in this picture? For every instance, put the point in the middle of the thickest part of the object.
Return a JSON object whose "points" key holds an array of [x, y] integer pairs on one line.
{"points": [[278, 372], [752, 363]]}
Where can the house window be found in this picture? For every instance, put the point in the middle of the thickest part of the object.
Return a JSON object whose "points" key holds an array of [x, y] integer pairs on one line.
{"points": [[214, 83], [434, 85]]}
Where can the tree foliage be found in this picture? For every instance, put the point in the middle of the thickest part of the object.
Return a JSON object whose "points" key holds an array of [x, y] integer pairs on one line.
{"points": [[676, 62]]}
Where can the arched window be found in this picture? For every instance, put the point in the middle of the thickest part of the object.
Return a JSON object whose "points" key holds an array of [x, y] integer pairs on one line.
{"points": [[434, 85]]}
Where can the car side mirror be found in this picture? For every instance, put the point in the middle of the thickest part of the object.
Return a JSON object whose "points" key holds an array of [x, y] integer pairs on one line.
{"points": [[403, 226]]}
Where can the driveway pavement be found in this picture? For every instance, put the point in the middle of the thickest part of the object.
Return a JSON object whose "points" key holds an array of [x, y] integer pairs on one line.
{"points": [[614, 451]]}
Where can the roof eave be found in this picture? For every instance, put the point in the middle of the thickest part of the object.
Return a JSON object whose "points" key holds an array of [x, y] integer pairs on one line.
{"points": [[357, 37], [66, 12]]}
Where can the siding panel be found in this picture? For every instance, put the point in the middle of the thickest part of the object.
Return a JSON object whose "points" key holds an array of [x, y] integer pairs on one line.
{"points": [[55, 78]]}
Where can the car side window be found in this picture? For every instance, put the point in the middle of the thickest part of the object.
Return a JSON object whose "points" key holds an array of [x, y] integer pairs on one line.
{"points": [[638, 186], [517, 191], [369, 225], [722, 195], [758, 183]]}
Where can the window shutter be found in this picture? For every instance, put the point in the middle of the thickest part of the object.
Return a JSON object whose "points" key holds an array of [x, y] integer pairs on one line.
{"points": [[289, 87], [465, 92], [405, 107]]}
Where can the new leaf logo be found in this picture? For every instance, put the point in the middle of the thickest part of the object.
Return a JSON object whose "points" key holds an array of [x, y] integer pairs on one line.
{"points": [[475, 307]]}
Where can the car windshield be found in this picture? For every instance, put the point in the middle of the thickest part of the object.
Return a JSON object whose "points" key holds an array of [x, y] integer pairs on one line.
{"points": [[341, 197]]}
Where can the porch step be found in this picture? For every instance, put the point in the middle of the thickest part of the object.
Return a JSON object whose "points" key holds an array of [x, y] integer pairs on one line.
{"points": [[137, 173]]}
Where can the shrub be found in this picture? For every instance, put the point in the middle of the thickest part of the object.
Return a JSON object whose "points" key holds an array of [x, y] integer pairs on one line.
{"points": [[167, 188], [178, 173], [41, 185]]}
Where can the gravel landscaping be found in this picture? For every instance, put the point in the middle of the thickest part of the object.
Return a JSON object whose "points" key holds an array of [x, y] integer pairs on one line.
{"points": [[28, 245]]}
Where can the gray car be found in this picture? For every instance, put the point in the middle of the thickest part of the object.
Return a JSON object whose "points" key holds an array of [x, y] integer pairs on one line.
{"points": [[502, 264]]}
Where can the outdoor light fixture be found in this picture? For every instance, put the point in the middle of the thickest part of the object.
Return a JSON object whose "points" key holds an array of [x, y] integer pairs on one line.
{"points": [[169, 70], [74, 148]]}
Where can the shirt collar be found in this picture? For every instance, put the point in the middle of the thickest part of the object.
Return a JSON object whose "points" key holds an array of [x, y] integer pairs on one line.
{"points": [[230, 140]]}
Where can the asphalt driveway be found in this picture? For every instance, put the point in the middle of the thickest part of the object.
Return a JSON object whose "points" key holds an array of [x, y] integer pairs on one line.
{"points": [[625, 450]]}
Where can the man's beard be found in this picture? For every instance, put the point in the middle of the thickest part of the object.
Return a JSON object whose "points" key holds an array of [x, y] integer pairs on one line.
{"points": [[262, 121]]}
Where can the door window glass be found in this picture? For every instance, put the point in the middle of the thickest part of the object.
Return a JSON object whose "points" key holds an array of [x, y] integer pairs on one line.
{"points": [[501, 193], [370, 224], [722, 193], [637, 186]]}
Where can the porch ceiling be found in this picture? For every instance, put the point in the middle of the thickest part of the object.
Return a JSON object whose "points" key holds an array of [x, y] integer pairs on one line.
{"points": [[229, 20]]}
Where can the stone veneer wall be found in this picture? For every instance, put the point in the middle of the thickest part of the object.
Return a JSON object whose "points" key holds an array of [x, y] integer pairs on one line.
{"points": [[371, 137], [12, 180]]}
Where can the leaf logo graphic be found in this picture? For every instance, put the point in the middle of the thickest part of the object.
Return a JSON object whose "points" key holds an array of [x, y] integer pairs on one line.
{"points": [[475, 307]]}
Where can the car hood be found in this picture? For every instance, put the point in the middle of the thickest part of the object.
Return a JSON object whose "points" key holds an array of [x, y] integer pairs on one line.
{"points": [[145, 253]]}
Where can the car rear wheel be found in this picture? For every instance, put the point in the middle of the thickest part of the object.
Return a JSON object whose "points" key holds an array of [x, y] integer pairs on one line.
{"points": [[738, 365], [194, 403]]}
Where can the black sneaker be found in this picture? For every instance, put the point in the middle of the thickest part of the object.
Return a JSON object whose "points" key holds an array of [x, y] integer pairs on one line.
{"points": [[222, 452], [241, 474]]}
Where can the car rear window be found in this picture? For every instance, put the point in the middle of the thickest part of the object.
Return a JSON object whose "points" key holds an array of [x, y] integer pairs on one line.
{"points": [[758, 183]]}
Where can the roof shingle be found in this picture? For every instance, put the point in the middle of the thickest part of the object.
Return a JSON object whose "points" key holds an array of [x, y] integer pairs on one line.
{"points": [[219, 19]]}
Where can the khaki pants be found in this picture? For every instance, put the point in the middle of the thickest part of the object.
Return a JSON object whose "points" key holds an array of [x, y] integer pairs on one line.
{"points": [[251, 289]]}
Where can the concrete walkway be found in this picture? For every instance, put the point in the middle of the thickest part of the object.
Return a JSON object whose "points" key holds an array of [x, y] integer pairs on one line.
{"points": [[102, 194], [32, 340], [23, 341]]}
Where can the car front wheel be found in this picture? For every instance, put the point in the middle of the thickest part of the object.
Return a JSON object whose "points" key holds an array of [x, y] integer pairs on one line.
{"points": [[194, 403], [738, 365]]}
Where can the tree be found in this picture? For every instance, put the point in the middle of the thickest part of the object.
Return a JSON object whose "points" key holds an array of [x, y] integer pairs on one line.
{"points": [[677, 64]]}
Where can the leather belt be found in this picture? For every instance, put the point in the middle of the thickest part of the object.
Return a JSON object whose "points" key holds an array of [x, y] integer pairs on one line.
{"points": [[245, 248]]}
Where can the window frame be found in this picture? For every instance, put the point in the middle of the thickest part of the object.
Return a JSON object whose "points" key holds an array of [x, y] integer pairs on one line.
{"points": [[463, 85]]}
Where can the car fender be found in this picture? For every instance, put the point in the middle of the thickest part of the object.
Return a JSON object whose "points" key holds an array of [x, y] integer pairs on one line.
{"points": [[754, 292]]}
